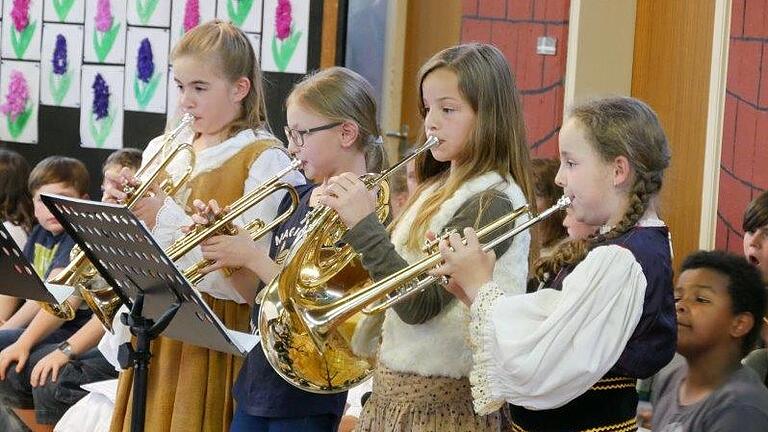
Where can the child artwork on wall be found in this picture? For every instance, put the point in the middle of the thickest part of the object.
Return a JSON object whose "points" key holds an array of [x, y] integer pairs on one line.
{"points": [[101, 111], [284, 40], [146, 65], [152, 13], [65, 11], [22, 27], [61, 62], [187, 14], [18, 100], [245, 14], [105, 31]]}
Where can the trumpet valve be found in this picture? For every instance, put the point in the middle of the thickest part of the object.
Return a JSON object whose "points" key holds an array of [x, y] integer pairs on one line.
{"points": [[432, 246]]}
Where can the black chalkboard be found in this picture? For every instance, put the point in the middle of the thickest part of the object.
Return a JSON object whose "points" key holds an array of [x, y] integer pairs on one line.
{"points": [[58, 128]]}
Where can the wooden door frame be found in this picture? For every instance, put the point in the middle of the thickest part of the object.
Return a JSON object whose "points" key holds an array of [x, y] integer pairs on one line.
{"points": [[392, 77], [715, 118]]}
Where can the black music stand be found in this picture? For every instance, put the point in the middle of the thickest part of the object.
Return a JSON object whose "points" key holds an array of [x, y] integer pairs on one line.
{"points": [[19, 278], [129, 259]]}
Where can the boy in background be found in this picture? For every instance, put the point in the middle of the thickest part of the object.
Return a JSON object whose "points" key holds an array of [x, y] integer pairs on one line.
{"points": [[720, 300]]}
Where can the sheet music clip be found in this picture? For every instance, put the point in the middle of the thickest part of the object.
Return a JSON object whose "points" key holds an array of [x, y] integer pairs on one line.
{"points": [[20, 279]]}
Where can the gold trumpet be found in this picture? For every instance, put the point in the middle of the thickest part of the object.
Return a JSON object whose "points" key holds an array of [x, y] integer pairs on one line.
{"points": [[80, 272], [320, 271], [223, 223], [105, 303]]}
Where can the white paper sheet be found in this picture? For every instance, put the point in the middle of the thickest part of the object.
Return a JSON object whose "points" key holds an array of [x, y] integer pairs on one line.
{"points": [[284, 49], [18, 121], [21, 35], [145, 91], [101, 126], [105, 29], [60, 84]]}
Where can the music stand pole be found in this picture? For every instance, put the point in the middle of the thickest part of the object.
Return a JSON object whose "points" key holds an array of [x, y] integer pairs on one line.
{"points": [[145, 330]]}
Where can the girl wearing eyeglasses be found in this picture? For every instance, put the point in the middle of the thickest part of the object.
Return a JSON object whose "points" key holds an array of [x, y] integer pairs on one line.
{"points": [[331, 129]]}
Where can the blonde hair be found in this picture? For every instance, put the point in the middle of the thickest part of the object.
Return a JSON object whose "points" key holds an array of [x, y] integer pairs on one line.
{"points": [[340, 94], [227, 46], [618, 126], [497, 142]]}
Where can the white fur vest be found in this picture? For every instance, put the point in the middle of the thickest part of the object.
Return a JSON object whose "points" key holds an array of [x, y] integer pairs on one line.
{"points": [[440, 346]]}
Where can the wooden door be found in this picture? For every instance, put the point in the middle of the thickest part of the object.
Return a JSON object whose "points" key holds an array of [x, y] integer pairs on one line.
{"points": [[671, 72]]}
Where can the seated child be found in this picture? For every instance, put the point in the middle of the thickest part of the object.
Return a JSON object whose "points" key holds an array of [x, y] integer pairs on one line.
{"points": [[16, 212], [755, 226], [720, 300], [48, 249], [59, 371]]}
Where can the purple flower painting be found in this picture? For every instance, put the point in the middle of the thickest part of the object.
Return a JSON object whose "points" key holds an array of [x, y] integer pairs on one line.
{"points": [[60, 78], [146, 80], [101, 118], [17, 107]]}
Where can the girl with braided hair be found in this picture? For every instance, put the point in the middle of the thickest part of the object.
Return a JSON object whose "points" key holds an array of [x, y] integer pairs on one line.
{"points": [[567, 358]]}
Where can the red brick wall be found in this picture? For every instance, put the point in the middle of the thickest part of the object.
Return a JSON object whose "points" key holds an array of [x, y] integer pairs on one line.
{"points": [[513, 26], [744, 158]]}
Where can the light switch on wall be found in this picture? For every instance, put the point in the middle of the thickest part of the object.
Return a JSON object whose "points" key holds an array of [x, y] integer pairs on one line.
{"points": [[546, 45]]}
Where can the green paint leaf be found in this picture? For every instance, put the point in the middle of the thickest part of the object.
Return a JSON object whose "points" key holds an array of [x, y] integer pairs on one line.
{"points": [[145, 91], [145, 9], [283, 51], [100, 131], [238, 10], [20, 41], [62, 8], [59, 85], [16, 127], [103, 45]]}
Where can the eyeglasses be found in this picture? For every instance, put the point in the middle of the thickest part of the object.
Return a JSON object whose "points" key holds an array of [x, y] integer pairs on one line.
{"points": [[296, 136]]}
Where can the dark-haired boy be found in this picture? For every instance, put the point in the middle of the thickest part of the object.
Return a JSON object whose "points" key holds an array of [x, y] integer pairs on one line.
{"points": [[720, 300]]}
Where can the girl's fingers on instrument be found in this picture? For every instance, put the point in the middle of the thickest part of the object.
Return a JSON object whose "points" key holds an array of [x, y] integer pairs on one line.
{"points": [[455, 241], [471, 236]]}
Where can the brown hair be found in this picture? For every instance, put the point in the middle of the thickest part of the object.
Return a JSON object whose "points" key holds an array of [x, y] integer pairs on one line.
{"points": [[340, 94], [618, 126], [127, 157], [551, 230], [497, 142], [15, 199], [756, 214], [60, 169], [228, 47]]}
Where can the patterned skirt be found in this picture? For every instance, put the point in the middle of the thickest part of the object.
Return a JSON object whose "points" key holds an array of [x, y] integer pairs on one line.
{"points": [[189, 388], [414, 403]]}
